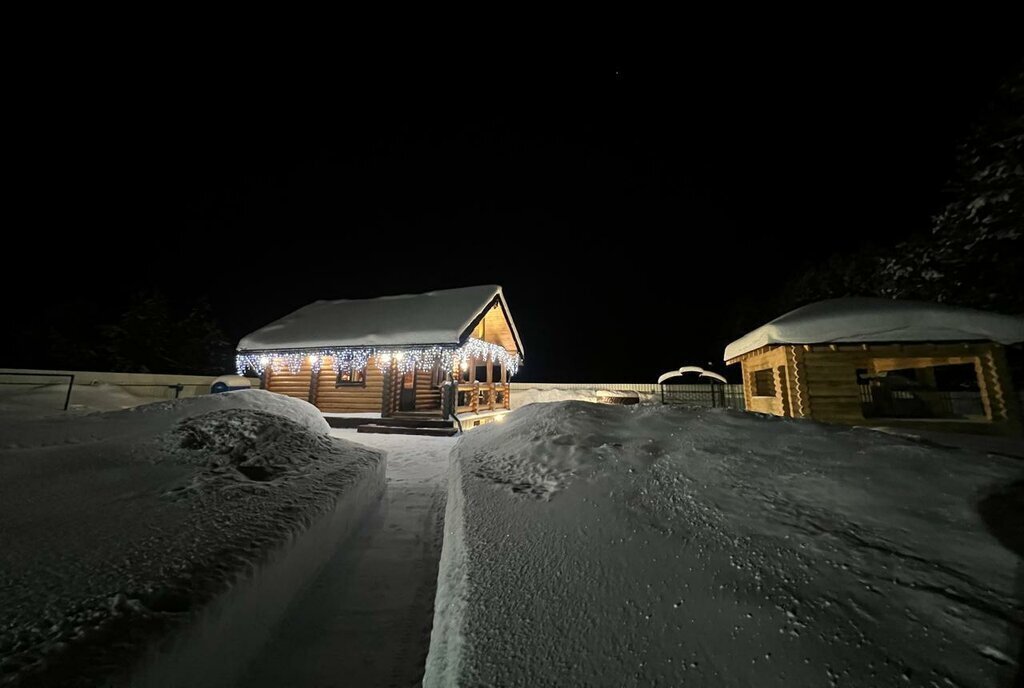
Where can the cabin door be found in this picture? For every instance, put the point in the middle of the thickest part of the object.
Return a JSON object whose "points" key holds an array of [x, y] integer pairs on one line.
{"points": [[407, 402]]}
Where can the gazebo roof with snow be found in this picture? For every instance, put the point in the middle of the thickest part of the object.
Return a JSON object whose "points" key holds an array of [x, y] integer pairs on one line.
{"points": [[866, 320], [444, 317]]}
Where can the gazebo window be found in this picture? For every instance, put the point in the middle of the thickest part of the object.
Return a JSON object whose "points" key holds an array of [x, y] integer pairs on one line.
{"points": [[764, 383]]}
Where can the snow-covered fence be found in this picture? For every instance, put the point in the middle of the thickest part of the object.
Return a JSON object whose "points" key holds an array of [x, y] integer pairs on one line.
{"points": [[93, 390], [730, 396]]}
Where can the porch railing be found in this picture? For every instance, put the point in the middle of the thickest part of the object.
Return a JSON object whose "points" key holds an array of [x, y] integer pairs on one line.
{"points": [[474, 397]]}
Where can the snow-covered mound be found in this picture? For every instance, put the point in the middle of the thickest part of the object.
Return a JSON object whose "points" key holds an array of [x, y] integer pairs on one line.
{"points": [[590, 544], [117, 527], [848, 320]]}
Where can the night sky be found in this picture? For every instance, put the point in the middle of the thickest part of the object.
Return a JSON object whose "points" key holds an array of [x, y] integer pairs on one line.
{"points": [[640, 212]]}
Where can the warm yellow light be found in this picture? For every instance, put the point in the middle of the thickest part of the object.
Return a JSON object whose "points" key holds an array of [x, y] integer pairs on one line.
{"points": [[264, 361], [314, 359], [385, 358], [500, 419], [399, 356], [464, 365]]}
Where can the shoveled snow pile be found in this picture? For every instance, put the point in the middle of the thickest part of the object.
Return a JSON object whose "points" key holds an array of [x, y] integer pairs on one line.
{"points": [[590, 544], [118, 527], [880, 320]]}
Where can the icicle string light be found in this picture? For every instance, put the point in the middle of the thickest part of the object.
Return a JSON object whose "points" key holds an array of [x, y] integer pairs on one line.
{"points": [[357, 358]]}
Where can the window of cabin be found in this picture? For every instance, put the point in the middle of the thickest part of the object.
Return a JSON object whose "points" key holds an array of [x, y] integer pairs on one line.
{"points": [[480, 374], [351, 377], [764, 383]]}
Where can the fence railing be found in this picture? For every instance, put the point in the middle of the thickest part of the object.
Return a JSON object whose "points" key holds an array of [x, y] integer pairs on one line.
{"points": [[474, 397], [920, 403], [56, 389]]}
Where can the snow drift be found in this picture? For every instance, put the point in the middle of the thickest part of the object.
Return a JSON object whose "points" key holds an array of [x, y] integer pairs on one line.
{"points": [[634, 546], [120, 527]]}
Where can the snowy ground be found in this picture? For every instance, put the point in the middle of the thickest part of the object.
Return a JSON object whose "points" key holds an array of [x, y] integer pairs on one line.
{"points": [[117, 527], [644, 546], [365, 620]]}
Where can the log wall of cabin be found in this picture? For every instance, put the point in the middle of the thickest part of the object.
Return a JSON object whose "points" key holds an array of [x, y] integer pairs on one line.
{"points": [[289, 383], [773, 360], [330, 398]]}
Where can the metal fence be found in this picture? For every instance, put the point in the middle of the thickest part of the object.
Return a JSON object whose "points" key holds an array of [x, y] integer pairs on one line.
{"points": [[51, 390], [715, 396]]}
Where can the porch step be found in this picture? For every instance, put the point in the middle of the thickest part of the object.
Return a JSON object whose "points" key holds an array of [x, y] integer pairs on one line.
{"points": [[433, 431], [400, 422]]}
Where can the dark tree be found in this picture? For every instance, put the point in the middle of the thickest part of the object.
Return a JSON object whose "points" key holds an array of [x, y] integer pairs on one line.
{"points": [[153, 337], [974, 253]]}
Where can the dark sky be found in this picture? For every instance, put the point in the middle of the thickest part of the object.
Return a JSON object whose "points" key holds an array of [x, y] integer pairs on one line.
{"points": [[639, 210]]}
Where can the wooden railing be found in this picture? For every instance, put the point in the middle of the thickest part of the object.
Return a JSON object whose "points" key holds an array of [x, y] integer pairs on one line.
{"points": [[474, 397]]}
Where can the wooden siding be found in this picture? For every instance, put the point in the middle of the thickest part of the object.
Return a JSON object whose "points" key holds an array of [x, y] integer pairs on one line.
{"points": [[349, 398], [289, 383], [774, 360], [494, 328]]}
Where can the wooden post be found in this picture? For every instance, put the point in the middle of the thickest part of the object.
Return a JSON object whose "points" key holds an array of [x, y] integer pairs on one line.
{"points": [[983, 388], [799, 400], [392, 390], [1007, 403], [781, 390], [314, 382], [474, 404]]}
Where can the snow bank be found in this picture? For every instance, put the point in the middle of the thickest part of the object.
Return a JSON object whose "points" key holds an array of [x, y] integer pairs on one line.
{"points": [[590, 544], [121, 527], [880, 320]]}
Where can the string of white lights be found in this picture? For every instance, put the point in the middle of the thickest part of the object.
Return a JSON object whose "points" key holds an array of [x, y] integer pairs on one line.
{"points": [[357, 358]]}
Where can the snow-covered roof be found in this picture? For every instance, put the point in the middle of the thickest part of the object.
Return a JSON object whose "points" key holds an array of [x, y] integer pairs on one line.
{"points": [[436, 317], [880, 320]]}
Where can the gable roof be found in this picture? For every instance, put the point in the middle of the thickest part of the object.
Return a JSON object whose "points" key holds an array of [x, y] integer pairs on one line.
{"points": [[442, 317], [880, 320]]}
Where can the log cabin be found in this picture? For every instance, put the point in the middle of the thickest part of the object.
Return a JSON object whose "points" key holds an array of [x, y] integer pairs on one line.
{"points": [[879, 362], [387, 357]]}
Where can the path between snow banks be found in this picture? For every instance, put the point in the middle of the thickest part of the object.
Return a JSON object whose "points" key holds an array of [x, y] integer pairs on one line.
{"points": [[366, 618]]}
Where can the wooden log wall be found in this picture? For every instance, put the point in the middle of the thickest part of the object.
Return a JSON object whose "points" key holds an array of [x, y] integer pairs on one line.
{"points": [[771, 359], [349, 398], [289, 383]]}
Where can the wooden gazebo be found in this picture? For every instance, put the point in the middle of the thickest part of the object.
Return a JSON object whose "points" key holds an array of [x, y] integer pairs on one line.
{"points": [[863, 361]]}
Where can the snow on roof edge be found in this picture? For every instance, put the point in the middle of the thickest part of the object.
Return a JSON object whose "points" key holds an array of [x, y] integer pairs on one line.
{"points": [[864, 320], [443, 317]]}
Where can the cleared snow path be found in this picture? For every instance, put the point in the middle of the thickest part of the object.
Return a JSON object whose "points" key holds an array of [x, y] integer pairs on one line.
{"points": [[366, 619]]}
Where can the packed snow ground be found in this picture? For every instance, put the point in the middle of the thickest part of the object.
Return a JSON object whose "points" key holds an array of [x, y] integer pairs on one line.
{"points": [[644, 546], [365, 620], [117, 527]]}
